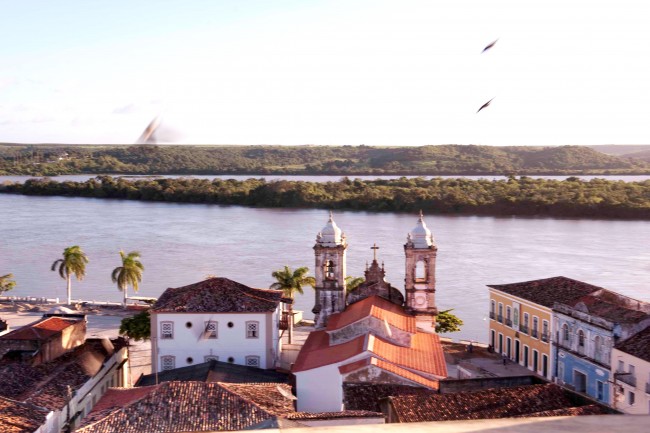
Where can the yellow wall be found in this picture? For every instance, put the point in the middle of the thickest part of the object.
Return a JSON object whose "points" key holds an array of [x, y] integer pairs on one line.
{"points": [[525, 307]]}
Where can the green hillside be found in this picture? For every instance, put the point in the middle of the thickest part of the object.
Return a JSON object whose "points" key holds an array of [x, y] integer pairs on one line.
{"points": [[41, 160]]}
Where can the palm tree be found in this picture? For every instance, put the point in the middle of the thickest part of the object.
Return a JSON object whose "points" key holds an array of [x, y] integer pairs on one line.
{"points": [[351, 283], [6, 283], [291, 282], [73, 262], [129, 273]]}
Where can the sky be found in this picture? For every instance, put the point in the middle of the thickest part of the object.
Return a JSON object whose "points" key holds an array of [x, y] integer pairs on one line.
{"points": [[326, 72]]}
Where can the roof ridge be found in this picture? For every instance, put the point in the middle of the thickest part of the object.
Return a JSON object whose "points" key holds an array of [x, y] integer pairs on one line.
{"points": [[221, 384]]}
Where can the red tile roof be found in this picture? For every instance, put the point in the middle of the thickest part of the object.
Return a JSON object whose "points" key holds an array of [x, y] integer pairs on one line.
{"points": [[638, 345], [182, 407], [425, 353], [366, 396], [615, 308], [18, 417], [116, 398], [313, 416], [316, 352], [390, 367], [487, 404], [217, 295], [45, 385], [266, 395], [373, 306], [548, 291], [43, 329]]}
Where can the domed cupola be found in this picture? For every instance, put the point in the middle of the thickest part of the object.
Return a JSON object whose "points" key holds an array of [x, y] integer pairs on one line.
{"points": [[420, 236], [331, 235]]}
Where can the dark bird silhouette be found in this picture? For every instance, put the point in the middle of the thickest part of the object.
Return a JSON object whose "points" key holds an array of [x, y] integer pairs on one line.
{"points": [[485, 105], [490, 45]]}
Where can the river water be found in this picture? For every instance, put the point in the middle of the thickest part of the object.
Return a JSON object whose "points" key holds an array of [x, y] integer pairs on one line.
{"points": [[183, 243]]}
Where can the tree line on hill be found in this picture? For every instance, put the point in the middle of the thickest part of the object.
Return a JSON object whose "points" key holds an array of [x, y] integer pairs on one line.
{"points": [[524, 196], [50, 160]]}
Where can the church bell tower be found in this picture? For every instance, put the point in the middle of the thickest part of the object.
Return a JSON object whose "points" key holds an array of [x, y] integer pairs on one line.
{"points": [[420, 282], [329, 273]]}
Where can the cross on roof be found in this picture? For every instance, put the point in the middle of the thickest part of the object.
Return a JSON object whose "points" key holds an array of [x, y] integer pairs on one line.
{"points": [[374, 247]]}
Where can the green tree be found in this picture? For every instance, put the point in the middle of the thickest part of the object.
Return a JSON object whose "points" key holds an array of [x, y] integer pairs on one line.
{"points": [[6, 283], [129, 273], [291, 282], [137, 327], [73, 262], [447, 322], [351, 283]]}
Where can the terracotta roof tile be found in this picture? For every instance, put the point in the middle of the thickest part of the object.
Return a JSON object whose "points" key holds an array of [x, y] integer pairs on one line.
{"points": [[617, 308], [305, 416], [366, 396], [548, 291], [40, 330], [488, 404], [392, 368], [377, 307], [638, 345], [265, 395], [217, 295], [182, 407], [18, 417], [45, 385], [316, 352], [425, 353]]}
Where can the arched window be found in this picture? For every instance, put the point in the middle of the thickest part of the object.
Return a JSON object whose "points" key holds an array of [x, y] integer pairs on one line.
{"points": [[329, 270], [597, 348], [581, 342], [565, 332], [420, 271]]}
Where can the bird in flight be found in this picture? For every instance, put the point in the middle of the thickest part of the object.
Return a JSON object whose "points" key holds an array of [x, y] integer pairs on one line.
{"points": [[490, 45], [485, 105]]}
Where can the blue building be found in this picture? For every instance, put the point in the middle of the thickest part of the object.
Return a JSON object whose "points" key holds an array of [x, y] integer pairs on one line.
{"points": [[586, 330]]}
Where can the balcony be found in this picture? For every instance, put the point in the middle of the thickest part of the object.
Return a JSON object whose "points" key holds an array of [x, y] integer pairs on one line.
{"points": [[523, 329], [625, 378], [492, 315], [534, 333], [545, 337], [508, 322], [500, 318]]}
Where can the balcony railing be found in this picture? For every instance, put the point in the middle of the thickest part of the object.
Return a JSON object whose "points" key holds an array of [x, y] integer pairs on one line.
{"points": [[545, 337], [508, 322], [492, 315], [523, 329], [533, 333], [500, 318], [626, 378]]}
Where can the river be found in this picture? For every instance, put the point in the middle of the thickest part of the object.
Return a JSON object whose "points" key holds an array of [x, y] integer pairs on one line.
{"points": [[183, 243]]}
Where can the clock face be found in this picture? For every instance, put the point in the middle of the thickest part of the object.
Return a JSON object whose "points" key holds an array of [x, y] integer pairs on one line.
{"points": [[420, 300]]}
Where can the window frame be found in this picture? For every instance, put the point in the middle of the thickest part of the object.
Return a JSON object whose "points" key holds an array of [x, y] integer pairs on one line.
{"points": [[256, 334], [164, 358], [211, 334], [256, 358], [162, 330]]}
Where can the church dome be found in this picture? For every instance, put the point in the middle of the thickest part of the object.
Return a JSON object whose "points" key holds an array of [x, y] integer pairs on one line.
{"points": [[420, 236], [331, 235]]}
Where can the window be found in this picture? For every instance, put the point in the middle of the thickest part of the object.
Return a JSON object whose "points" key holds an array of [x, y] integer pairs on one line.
{"points": [[500, 316], [166, 330], [600, 390], [420, 271], [167, 362], [329, 270], [493, 338], [535, 327], [515, 319], [524, 326], [252, 329], [208, 358], [545, 335], [493, 310], [581, 338], [210, 329], [621, 367], [565, 332], [631, 370], [252, 361], [630, 398], [508, 316], [597, 348]]}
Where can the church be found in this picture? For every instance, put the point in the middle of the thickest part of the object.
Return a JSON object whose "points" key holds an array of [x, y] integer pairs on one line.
{"points": [[374, 334]]}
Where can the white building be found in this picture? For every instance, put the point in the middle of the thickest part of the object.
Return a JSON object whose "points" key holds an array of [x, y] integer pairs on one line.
{"points": [[216, 319], [631, 374]]}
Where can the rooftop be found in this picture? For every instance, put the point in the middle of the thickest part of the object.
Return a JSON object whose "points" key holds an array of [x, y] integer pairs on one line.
{"points": [[638, 345], [45, 385], [373, 306], [18, 417], [611, 308], [217, 295], [532, 400], [215, 371], [548, 291], [41, 330]]}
